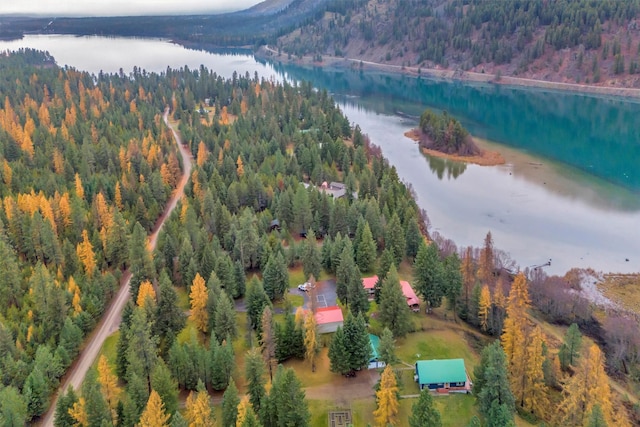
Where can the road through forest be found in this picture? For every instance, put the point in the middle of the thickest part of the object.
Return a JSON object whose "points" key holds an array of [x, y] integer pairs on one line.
{"points": [[110, 321]]}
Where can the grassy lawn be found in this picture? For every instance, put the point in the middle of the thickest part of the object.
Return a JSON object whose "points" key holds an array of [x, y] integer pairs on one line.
{"points": [[322, 375], [296, 276], [109, 350]]}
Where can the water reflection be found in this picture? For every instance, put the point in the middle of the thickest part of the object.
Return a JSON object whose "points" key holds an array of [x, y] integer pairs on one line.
{"points": [[441, 166]]}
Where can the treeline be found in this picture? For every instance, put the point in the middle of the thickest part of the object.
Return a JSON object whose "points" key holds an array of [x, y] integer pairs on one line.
{"points": [[444, 133], [464, 34]]}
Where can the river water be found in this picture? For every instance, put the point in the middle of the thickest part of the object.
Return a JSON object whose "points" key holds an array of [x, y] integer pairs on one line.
{"points": [[570, 190]]}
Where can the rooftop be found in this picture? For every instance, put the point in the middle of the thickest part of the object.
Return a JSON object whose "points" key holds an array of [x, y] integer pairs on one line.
{"points": [[369, 282], [326, 315], [375, 343], [441, 371], [409, 293]]}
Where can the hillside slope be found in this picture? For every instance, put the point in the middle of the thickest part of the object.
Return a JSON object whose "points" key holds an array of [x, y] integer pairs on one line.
{"points": [[562, 41]]}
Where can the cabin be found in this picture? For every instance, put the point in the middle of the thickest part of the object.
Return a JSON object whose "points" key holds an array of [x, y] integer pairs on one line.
{"points": [[369, 284], [274, 225], [443, 376], [329, 319], [374, 362]]}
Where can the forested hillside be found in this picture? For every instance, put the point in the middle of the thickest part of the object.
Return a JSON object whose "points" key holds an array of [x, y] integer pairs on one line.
{"points": [[87, 166], [569, 41]]}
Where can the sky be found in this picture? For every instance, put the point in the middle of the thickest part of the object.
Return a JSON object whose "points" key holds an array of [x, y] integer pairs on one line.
{"points": [[120, 7]]}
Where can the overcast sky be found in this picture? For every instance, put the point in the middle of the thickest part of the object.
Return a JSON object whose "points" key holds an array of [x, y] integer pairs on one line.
{"points": [[120, 7]]}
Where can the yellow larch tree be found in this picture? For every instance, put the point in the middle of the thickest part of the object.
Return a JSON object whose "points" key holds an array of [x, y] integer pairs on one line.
{"points": [[109, 386], [198, 297], [145, 291], [484, 307], [75, 302], [387, 399], [203, 154], [64, 208], [198, 410], [79, 413], [58, 162], [310, 339], [43, 115], [7, 173], [534, 396], [26, 145], [47, 211], [79, 187], [240, 169], [243, 408], [220, 158], [118, 196], [86, 255], [154, 414], [103, 212], [513, 335], [467, 268], [589, 386], [224, 116]]}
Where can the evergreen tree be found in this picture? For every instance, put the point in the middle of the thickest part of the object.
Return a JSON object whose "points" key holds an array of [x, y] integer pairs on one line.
{"points": [[254, 375], [241, 280], [230, 402], [494, 398], [338, 356], [452, 280], [366, 250], [222, 365], [142, 351], [311, 257], [394, 239], [256, 300], [393, 311], [570, 348], [289, 339], [386, 260], [302, 214], [225, 318], [387, 399], [428, 275], [346, 273], [275, 278], [35, 393], [166, 386], [288, 400], [413, 237], [387, 348], [96, 406], [62, 418], [486, 264], [596, 418], [13, 408], [424, 412], [170, 319]]}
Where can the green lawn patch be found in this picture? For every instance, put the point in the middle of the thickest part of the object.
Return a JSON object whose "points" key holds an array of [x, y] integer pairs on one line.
{"points": [[109, 349], [436, 344]]}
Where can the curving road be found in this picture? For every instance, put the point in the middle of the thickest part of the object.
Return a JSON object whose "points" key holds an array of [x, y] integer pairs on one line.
{"points": [[111, 319]]}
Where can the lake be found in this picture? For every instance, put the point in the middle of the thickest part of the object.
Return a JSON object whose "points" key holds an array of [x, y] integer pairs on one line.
{"points": [[570, 190]]}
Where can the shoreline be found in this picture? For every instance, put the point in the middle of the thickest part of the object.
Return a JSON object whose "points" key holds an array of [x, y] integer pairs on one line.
{"points": [[487, 158], [267, 52]]}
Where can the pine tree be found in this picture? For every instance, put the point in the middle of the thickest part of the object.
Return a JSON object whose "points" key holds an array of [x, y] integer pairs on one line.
{"points": [[570, 349], [484, 308], [230, 402], [62, 416], [387, 399], [142, 353], [256, 300], [254, 375], [222, 365], [154, 414], [198, 298], [428, 275], [346, 274], [198, 409], [311, 256], [287, 400], [338, 356], [166, 386], [225, 318], [170, 318], [310, 340], [109, 385], [394, 239], [393, 311], [366, 250], [96, 408], [596, 418], [386, 260], [36, 393], [494, 396], [424, 412], [275, 278], [452, 280], [386, 350]]}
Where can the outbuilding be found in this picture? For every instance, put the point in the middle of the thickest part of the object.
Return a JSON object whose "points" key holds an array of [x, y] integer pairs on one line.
{"points": [[328, 319], [443, 375], [375, 362]]}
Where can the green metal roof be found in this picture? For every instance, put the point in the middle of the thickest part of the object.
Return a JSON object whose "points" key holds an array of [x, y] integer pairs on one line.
{"points": [[441, 371], [375, 343]]}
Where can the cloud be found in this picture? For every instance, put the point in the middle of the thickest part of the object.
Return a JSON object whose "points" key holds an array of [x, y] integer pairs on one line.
{"points": [[121, 7]]}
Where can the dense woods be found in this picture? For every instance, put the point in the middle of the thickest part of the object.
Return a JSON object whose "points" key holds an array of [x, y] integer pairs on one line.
{"points": [[514, 37], [444, 133]]}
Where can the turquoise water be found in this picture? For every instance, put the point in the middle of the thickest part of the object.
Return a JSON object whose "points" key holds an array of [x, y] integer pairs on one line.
{"points": [[599, 135], [569, 191]]}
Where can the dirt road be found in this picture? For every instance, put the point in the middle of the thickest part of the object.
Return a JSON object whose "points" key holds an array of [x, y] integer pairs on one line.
{"points": [[111, 319]]}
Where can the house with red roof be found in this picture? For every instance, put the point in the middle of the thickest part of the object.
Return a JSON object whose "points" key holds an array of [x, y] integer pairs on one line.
{"points": [[369, 284], [328, 319]]}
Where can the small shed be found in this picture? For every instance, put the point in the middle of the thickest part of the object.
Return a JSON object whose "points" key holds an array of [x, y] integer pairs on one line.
{"points": [[274, 225], [328, 319], [369, 284], [443, 375], [412, 299], [374, 362]]}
